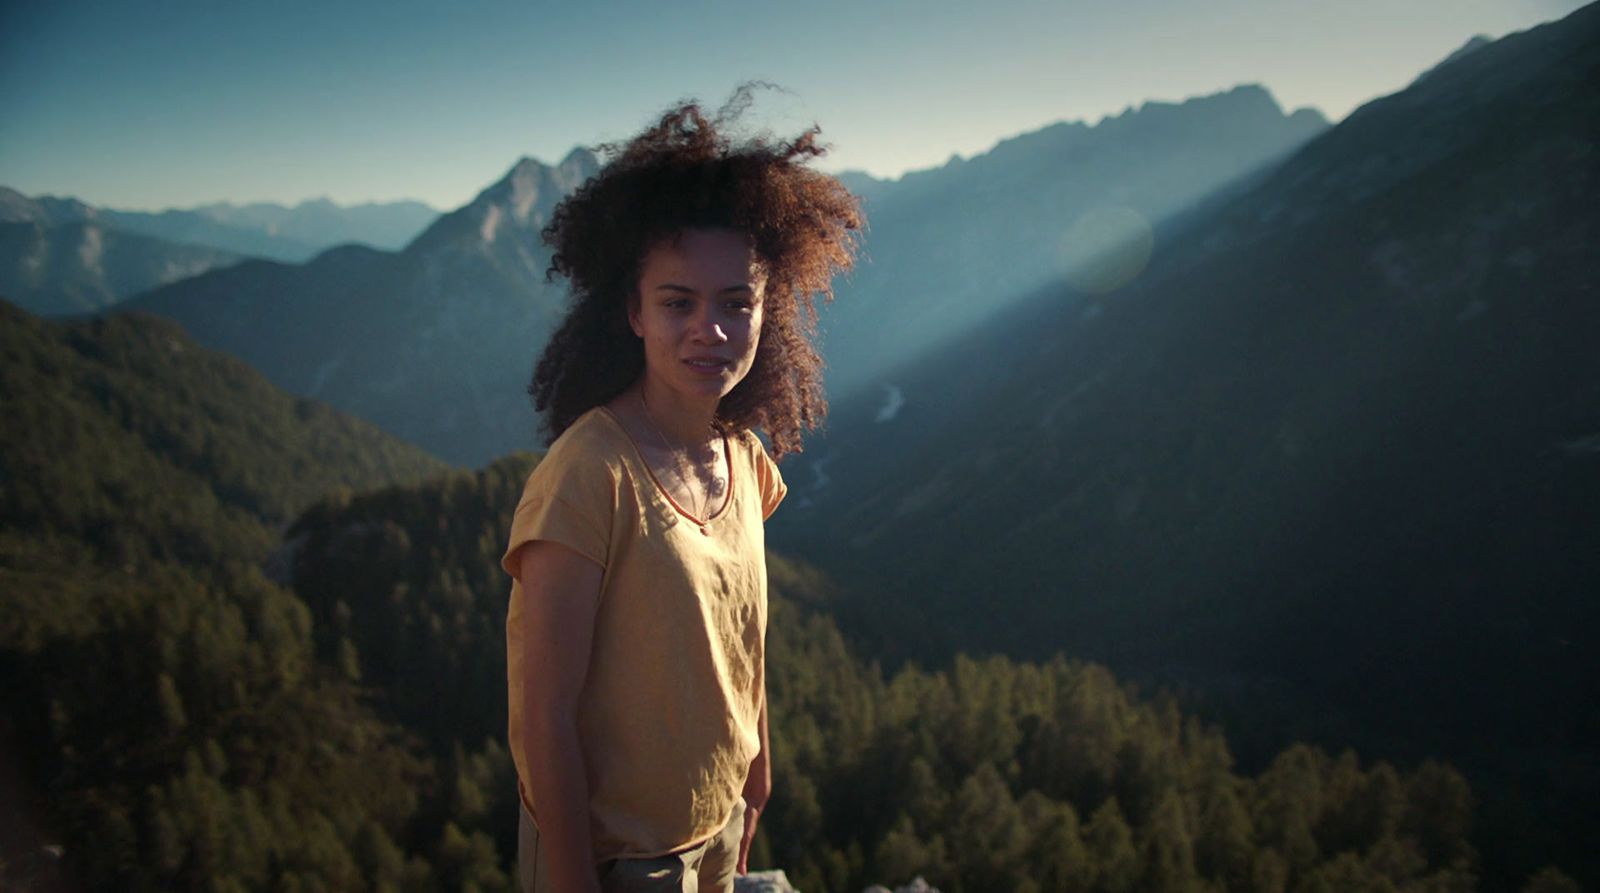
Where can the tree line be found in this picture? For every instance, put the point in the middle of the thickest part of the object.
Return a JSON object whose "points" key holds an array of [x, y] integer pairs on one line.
{"points": [[253, 644]]}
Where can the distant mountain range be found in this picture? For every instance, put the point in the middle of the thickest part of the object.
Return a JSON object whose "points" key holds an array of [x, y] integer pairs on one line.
{"points": [[315, 224], [83, 267], [434, 343], [1335, 455], [437, 343], [60, 256], [950, 246]]}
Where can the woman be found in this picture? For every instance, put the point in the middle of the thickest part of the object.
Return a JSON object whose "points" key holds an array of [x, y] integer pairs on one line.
{"points": [[636, 631]]}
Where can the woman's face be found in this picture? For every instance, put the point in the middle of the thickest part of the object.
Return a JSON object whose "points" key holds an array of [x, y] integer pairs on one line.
{"points": [[698, 309]]}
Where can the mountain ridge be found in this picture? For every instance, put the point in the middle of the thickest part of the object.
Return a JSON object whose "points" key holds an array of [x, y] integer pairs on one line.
{"points": [[59, 258], [952, 245], [468, 302], [449, 323], [1338, 450], [290, 233]]}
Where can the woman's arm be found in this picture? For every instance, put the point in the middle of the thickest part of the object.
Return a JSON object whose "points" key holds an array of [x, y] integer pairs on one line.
{"points": [[757, 789], [561, 591]]}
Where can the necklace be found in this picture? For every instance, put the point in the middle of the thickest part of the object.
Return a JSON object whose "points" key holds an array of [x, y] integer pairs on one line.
{"points": [[679, 470]]}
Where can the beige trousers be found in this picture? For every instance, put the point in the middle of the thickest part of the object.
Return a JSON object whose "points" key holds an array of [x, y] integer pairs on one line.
{"points": [[707, 868]]}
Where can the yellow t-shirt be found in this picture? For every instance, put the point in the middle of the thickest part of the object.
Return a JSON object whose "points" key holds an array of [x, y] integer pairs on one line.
{"points": [[668, 716]]}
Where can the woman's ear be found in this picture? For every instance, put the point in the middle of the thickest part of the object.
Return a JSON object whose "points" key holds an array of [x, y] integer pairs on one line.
{"points": [[633, 316]]}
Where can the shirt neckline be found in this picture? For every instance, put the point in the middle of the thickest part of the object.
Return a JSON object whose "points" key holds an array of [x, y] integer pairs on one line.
{"points": [[727, 455]]}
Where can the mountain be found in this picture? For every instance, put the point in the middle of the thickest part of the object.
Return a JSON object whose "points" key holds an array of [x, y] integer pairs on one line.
{"points": [[322, 223], [950, 246], [1477, 42], [131, 405], [164, 720], [194, 228], [434, 343], [189, 228], [1334, 457], [271, 231], [437, 343], [60, 257], [868, 188]]}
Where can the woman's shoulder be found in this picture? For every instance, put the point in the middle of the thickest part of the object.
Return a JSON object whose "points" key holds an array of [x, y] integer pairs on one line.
{"points": [[756, 457], [768, 480], [597, 425], [592, 442], [750, 442]]}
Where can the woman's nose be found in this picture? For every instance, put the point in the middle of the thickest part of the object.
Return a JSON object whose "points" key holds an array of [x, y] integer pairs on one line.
{"points": [[709, 330]]}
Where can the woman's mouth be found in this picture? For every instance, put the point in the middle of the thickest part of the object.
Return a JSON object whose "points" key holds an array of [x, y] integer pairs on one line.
{"points": [[706, 365]]}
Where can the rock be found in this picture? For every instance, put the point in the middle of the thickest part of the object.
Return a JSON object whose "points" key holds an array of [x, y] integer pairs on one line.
{"points": [[763, 882]]}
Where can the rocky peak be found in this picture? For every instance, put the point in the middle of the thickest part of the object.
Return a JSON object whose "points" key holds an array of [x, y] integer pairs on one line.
{"points": [[1476, 43], [18, 208], [579, 165], [46, 210], [519, 203]]}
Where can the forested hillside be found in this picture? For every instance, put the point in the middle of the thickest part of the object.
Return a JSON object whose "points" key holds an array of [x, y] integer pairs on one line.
{"points": [[164, 723], [993, 775], [175, 719]]}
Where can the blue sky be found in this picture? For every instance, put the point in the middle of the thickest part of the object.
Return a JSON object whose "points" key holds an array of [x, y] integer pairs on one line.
{"points": [[158, 104]]}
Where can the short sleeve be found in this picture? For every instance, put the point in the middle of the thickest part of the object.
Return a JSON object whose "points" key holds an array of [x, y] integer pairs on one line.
{"points": [[568, 499], [769, 481]]}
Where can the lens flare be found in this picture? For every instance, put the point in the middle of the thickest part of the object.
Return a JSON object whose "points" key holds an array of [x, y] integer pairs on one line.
{"points": [[1104, 249]]}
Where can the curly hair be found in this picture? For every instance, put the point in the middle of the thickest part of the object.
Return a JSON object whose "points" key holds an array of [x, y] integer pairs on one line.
{"points": [[682, 174]]}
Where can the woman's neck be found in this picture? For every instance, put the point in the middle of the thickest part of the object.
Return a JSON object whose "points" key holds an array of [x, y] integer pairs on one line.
{"points": [[688, 425]]}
